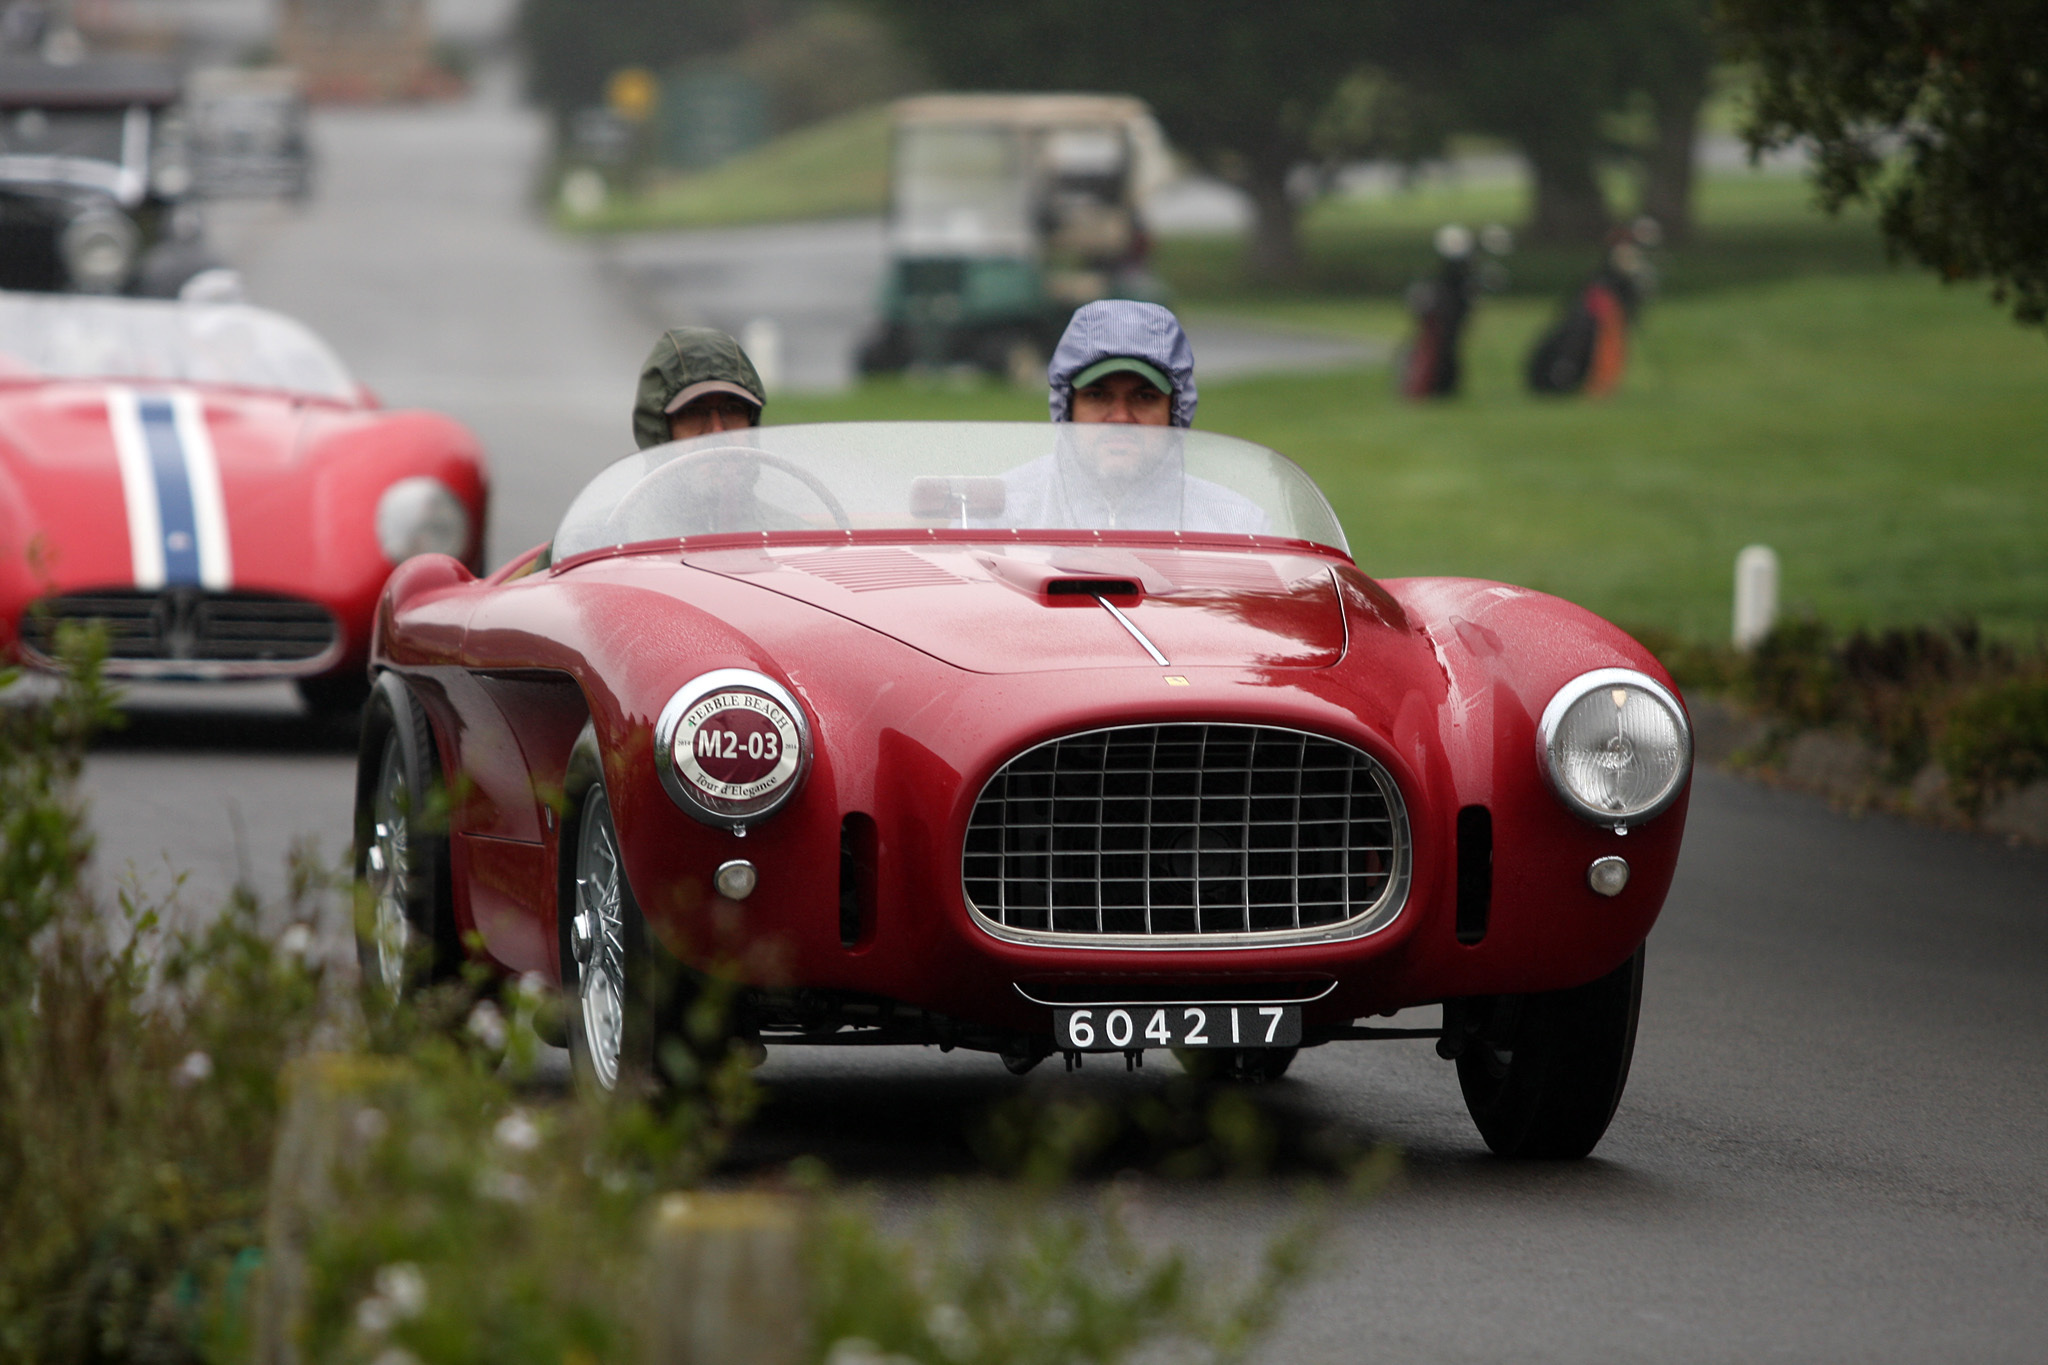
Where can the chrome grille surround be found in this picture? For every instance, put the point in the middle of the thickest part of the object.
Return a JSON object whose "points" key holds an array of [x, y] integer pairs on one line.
{"points": [[1181, 836], [186, 632]]}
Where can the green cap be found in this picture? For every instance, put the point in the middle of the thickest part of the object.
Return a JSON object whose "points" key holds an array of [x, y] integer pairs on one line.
{"points": [[1120, 363], [686, 363]]}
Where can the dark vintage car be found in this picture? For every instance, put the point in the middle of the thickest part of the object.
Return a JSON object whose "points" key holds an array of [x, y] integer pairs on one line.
{"points": [[94, 179], [1023, 738]]}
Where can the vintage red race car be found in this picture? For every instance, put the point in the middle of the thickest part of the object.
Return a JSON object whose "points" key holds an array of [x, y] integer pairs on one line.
{"points": [[1030, 739], [209, 481]]}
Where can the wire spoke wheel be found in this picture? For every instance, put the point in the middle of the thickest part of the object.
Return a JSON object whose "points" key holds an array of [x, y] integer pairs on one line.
{"points": [[598, 940], [389, 870], [405, 935]]}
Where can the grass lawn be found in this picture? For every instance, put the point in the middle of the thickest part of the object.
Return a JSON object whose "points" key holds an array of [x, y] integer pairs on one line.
{"points": [[835, 169]]}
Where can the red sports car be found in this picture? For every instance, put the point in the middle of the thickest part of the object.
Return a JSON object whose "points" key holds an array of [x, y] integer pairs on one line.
{"points": [[210, 481], [1028, 739]]}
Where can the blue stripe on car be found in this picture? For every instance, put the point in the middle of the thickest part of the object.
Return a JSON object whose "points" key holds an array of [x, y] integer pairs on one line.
{"points": [[173, 491]]}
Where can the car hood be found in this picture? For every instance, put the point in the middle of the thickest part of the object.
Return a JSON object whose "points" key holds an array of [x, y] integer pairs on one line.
{"points": [[81, 456], [1032, 608]]}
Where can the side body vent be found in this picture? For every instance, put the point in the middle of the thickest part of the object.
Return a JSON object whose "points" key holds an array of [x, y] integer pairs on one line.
{"points": [[1475, 872], [857, 851]]}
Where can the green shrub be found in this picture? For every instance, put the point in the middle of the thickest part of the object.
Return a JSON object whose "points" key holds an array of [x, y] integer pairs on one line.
{"points": [[1904, 690], [1996, 738], [138, 1068]]}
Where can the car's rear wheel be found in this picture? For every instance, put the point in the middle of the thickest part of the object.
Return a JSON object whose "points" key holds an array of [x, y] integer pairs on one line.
{"points": [[608, 970], [405, 934], [1543, 1074]]}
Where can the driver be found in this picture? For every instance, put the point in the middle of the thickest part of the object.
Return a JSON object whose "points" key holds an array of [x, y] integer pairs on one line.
{"points": [[1122, 365], [696, 381]]}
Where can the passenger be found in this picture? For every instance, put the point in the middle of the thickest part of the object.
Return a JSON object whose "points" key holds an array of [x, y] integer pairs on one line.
{"points": [[696, 381], [1121, 365], [1115, 363]]}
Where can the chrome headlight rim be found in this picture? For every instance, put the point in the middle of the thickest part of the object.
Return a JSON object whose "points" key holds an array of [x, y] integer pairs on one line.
{"points": [[1547, 735], [403, 532], [683, 717]]}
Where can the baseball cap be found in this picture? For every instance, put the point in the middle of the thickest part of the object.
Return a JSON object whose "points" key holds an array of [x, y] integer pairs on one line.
{"points": [[1151, 374], [691, 394]]}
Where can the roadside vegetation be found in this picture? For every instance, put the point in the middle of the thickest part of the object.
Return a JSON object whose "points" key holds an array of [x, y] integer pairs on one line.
{"points": [[210, 1152], [838, 168]]}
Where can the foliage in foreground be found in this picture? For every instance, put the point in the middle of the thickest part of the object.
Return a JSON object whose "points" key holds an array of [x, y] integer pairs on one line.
{"points": [[136, 1098], [206, 1148]]}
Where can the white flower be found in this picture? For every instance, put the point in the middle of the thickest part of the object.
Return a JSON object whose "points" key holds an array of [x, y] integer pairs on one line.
{"points": [[517, 1131], [373, 1315], [196, 1067], [487, 1025], [952, 1329], [403, 1287], [859, 1351], [296, 941]]}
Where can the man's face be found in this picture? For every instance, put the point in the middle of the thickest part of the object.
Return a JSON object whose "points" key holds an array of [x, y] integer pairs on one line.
{"points": [[712, 412], [1122, 397]]}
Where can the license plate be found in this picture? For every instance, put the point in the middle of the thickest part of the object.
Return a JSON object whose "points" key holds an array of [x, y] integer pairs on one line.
{"points": [[1126, 1028]]}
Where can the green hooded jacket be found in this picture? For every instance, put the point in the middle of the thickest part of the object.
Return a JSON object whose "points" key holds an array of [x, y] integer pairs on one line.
{"points": [[681, 357]]}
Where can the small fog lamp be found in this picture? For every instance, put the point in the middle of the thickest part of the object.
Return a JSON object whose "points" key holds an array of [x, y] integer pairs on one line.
{"points": [[1607, 875], [736, 880]]}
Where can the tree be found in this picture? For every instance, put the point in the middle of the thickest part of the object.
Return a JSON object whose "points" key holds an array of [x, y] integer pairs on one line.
{"points": [[1547, 75], [1935, 110], [1671, 56], [1239, 87]]}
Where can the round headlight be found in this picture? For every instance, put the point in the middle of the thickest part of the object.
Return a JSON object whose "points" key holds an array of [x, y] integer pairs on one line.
{"points": [[731, 747], [421, 516], [1615, 746], [99, 249]]}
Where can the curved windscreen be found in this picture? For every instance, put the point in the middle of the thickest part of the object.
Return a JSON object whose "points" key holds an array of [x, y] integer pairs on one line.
{"points": [[71, 336], [948, 475]]}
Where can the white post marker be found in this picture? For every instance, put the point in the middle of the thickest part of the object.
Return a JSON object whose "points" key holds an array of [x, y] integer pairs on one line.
{"points": [[1756, 594], [761, 339]]}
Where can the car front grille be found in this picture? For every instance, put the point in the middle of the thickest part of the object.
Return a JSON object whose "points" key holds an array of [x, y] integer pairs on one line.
{"points": [[1187, 836], [188, 625]]}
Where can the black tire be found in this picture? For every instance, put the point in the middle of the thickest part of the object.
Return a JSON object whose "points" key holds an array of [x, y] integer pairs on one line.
{"points": [[339, 695], [1543, 1074], [1237, 1065], [614, 991], [405, 937]]}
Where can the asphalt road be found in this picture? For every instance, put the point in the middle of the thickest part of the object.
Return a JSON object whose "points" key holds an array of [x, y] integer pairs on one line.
{"points": [[1831, 1148]]}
